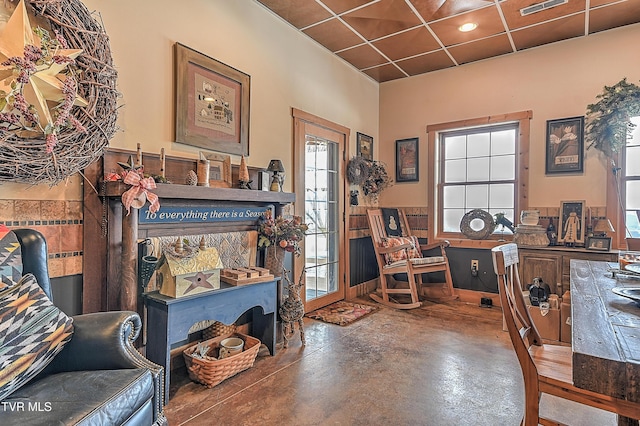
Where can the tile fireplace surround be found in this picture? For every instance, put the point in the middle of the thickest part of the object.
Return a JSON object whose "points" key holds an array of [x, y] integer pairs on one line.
{"points": [[59, 221]]}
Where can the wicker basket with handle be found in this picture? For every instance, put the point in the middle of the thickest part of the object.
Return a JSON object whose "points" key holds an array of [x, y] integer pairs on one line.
{"points": [[210, 371]]}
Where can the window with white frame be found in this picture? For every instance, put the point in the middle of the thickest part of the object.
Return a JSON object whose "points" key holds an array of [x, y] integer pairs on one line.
{"points": [[478, 170], [631, 182]]}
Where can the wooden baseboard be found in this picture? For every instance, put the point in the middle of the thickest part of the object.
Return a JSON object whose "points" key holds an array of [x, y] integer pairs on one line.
{"points": [[362, 289], [472, 296]]}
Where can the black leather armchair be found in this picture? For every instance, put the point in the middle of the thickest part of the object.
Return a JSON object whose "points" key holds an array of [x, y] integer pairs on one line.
{"points": [[99, 378]]}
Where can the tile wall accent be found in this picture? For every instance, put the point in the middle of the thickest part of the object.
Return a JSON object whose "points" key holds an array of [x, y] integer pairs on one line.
{"points": [[359, 226], [61, 224]]}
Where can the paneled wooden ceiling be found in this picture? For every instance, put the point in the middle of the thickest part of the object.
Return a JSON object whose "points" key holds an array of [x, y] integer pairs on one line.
{"points": [[391, 39]]}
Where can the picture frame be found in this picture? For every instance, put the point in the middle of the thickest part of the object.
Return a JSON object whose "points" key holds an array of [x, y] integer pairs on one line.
{"points": [[211, 103], [219, 171], [565, 145], [407, 164], [571, 226], [364, 146], [599, 243]]}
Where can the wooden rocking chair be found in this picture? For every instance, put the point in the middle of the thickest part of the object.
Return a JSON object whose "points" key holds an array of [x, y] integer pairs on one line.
{"points": [[403, 255]]}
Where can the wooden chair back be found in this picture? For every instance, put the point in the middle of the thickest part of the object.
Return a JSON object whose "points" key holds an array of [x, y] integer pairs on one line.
{"points": [[522, 330]]}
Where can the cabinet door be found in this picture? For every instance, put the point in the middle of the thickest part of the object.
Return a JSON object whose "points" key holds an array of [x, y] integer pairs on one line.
{"points": [[546, 266]]}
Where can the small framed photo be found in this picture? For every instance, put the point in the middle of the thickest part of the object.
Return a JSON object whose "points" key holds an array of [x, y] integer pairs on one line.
{"points": [[407, 160], [364, 146], [571, 227], [219, 171], [565, 145], [599, 243]]}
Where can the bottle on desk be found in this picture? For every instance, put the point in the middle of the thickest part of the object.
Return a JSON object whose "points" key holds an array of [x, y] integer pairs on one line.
{"points": [[551, 233]]}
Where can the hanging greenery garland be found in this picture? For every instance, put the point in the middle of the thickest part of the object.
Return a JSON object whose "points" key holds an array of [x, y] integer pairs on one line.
{"points": [[608, 126]]}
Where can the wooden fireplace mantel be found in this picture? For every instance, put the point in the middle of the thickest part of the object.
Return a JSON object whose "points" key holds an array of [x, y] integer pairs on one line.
{"points": [[110, 256]]}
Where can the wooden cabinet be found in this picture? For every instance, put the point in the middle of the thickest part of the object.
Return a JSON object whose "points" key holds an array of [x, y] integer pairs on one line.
{"points": [[552, 264]]}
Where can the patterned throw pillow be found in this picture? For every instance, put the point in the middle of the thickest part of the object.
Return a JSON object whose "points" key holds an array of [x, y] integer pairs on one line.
{"points": [[10, 258], [414, 251], [32, 332]]}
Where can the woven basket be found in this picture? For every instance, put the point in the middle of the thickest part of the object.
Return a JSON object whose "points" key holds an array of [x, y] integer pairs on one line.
{"points": [[211, 372], [217, 329]]}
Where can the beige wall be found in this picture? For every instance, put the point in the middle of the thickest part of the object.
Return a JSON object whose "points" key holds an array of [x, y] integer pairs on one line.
{"points": [[287, 70], [555, 81]]}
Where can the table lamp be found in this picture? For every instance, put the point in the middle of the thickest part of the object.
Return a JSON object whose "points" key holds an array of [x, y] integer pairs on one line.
{"points": [[275, 167], [602, 227]]}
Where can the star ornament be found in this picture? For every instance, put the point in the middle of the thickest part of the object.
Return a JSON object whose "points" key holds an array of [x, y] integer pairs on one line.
{"points": [[44, 89], [199, 280]]}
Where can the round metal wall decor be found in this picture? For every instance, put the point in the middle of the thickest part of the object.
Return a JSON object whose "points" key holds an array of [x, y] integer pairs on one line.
{"points": [[482, 233], [30, 156]]}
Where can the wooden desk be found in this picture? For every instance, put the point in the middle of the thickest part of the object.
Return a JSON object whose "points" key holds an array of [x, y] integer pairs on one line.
{"points": [[605, 332], [169, 319]]}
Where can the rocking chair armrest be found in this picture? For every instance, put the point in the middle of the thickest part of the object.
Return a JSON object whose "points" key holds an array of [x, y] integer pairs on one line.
{"points": [[442, 244], [386, 250]]}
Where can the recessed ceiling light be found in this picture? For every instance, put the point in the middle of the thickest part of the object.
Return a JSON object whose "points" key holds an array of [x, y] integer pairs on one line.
{"points": [[469, 26]]}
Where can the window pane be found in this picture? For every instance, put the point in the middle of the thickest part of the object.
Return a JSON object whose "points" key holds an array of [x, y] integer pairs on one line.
{"points": [[632, 224], [633, 195], [478, 169], [478, 145], [455, 171], [503, 167], [451, 219], [501, 196], [477, 197], [455, 147], [453, 196], [503, 142], [633, 160]]}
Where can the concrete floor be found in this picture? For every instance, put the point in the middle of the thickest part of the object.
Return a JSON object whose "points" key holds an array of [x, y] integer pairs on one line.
{"points": [[442, 364]]}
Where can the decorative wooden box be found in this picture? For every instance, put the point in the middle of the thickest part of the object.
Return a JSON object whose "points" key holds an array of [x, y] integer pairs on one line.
{"points": [[184, 277]]}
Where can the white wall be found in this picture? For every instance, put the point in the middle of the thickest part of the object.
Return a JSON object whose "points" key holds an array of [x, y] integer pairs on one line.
{"points": [[287, 70], [555, 81]]}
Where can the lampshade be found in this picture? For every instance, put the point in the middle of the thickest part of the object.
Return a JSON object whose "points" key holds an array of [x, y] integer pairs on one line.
{"points": [[275, 166], [603, 226]]}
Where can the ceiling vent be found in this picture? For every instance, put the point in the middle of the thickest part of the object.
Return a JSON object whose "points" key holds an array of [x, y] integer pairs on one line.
{"points": [[541, 6]]}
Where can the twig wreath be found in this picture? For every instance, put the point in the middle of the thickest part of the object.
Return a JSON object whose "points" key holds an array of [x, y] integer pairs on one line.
{"points": [[608, 126], [59, 102], [371, 176]]}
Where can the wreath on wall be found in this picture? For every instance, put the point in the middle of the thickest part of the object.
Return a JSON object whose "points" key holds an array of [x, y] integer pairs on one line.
{"points": [[58, 94], [370, 175], [608, 126]]}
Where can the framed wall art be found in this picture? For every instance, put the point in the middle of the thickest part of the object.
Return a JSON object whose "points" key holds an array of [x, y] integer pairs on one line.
{"points": [[407, 160], [364, 146], [599, 243], [571, 226], [565, 145], [211, 103]]}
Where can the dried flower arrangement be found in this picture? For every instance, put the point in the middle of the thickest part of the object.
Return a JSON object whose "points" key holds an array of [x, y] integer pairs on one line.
{"points": [[281, 232], [68, 64]]}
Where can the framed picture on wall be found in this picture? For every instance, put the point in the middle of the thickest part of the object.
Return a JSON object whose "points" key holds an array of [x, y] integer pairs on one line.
{"points": [[407, 160], [565, 145], [571, 227], [211, 103], [364, 146]]}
